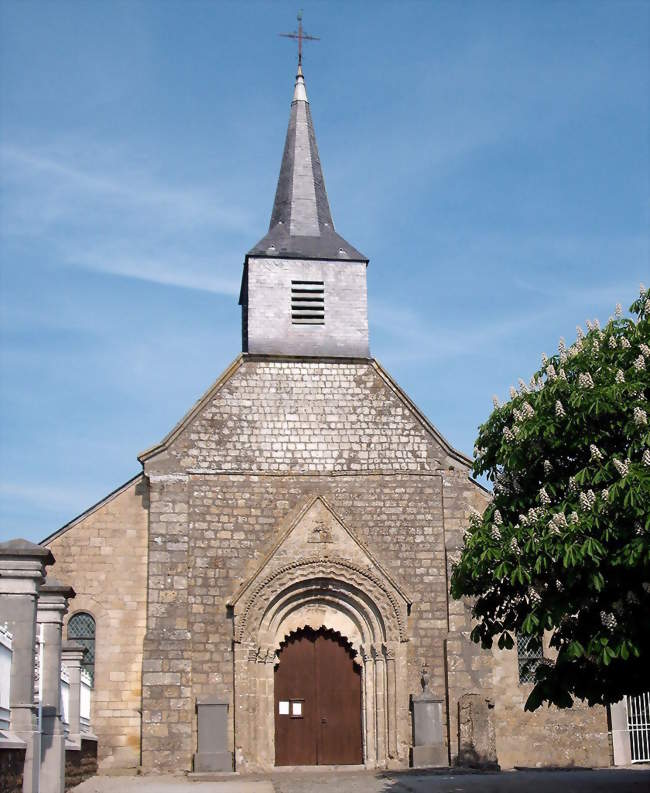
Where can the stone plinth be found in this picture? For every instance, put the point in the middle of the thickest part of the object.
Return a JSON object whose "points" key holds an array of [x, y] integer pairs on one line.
{"points": [[477, 742], [428, 741], [213, 754], [72, 656]]}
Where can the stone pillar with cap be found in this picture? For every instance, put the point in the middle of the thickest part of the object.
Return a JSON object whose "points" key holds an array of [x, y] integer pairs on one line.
{"points": [[72, 657], [52, 607], [22, 571], [428, 742]]}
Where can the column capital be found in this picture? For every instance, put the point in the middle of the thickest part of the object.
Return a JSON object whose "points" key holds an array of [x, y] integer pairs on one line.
{"points": [[22, 567], [72, 654], [53, 600]]}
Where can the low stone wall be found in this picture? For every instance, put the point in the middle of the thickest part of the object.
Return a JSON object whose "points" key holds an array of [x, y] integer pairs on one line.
{"points": [[80, 764], [12, 762]]}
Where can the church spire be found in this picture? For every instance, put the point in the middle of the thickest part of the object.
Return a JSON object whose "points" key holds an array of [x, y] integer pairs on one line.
{"points": [[301, 221]]}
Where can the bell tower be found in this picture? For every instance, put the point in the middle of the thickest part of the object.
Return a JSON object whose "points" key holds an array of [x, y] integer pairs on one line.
{"points": [[304, 287]]}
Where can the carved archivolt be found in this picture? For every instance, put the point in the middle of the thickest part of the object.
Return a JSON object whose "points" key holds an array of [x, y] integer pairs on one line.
{"points": [[358, 589]]}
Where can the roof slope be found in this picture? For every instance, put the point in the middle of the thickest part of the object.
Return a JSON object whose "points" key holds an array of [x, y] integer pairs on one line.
{"points": [[301, 221]]}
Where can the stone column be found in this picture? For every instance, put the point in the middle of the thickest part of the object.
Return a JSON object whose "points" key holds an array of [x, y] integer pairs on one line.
{"points": [[380, 703], [22, 571], [72, 655], [391, 700], [370, 744], [52, 607]]}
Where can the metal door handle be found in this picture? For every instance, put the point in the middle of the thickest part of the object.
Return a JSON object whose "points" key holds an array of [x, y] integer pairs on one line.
{"points": [[323, 720]]}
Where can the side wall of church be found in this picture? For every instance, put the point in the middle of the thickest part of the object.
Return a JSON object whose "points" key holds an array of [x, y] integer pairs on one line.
{"points": [[546, 737], [103, 555]]}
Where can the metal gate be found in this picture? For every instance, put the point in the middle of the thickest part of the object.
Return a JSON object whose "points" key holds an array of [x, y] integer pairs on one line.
{"points": [[638, 725]]}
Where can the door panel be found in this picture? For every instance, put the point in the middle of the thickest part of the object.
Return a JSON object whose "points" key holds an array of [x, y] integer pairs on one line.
{"points": [[339, 700], [316, 670]]}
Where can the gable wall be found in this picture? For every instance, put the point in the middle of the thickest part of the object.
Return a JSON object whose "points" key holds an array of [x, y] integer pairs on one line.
{"points": [[104, 557], [277, 434]]}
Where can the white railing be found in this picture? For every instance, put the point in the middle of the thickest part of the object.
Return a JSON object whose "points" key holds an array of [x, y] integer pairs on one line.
{"points": [[6, 653], [84, 701], [638, 725], [65, 699]]}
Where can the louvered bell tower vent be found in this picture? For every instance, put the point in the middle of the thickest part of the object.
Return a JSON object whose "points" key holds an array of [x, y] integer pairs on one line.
{"points": [[307, 303]]}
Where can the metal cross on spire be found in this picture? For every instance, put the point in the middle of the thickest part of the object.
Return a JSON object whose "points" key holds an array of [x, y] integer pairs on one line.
{"points": [[300, 36]]}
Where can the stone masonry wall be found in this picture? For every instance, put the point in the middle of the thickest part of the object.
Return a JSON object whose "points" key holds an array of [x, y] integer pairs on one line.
{"points": [[103, 555], [277, 434]]}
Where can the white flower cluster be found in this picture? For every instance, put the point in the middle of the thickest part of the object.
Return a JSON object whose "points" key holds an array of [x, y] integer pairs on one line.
{"points": [[646, 307], [579, 332], [619, 311], [559, 410], [508, 434], [533, 514], [587, 500], [605, 494], [544, 497], [548, 467], [572, 484], [595, 452], [559, 585], [535, 597], [522, 386], [527, 410], [611, 342], [585, 381], [625, 344], [561, 344], [496, 533], [557, 523], [645, 350], [595, 347], [574, 518], [638, 529], [513, 392], [497, 518], [641, 290], [639, 363], [514, 546], [620, 377], [608, 620], [550, 373], [640, 417], [646, 457], [621, 467], [495, 401], [544, 359]]}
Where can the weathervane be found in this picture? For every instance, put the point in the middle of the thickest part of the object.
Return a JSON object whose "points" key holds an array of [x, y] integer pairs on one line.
{"points": [[300, 35]]}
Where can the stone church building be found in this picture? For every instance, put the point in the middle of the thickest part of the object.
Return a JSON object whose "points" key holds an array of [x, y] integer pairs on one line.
{"points": [[281, 564]]}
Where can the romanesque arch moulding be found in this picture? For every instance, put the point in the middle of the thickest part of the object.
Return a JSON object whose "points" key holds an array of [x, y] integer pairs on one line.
{"points": [[343, 588]]}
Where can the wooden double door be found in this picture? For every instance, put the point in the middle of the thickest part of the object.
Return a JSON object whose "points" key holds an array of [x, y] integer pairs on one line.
{"points": [[317, 701]]}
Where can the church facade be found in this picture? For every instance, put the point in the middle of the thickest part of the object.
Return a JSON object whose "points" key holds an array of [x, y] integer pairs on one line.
{"points": [[284, 554]]}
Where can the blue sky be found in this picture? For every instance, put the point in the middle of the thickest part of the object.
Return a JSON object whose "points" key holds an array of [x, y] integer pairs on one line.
{"points": [[490, 158]]}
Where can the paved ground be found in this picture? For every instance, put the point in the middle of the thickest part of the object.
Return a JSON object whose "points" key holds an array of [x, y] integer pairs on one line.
{"points": [[633, 780]]}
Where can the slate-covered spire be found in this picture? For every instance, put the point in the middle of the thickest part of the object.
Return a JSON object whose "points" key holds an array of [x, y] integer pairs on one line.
{"points": [[301, 222]]}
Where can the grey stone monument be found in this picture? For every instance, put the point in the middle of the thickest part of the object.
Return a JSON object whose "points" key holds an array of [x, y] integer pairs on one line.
{"points": [[428, 742], [22, 571], [212, 754], [476, 735], [52, 606]]}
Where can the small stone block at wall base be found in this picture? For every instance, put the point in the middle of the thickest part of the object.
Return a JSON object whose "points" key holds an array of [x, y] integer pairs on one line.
{"points": [[428, 744], [213, 754]]}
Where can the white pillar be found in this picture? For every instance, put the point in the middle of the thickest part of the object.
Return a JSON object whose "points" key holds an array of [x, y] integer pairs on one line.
{"points": [[620, 733], [72, 656]]}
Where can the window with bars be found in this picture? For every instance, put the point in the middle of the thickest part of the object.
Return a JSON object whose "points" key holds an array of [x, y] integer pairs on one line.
{"points": [[529, 656], [81, 629], [307, 303]]}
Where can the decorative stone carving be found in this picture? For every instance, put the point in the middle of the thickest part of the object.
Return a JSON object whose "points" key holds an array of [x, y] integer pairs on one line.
{"points": [[321, 533]]}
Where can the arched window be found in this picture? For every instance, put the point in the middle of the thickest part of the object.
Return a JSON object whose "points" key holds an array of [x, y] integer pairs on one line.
{"points": [[81, 629]]}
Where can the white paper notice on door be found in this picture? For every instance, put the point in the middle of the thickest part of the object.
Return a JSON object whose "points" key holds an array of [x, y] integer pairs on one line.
{"points": [[283, 708]]}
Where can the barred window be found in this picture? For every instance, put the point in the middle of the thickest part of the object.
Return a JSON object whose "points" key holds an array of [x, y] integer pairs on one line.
{"points": [[529, 657], [81, 629]]}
